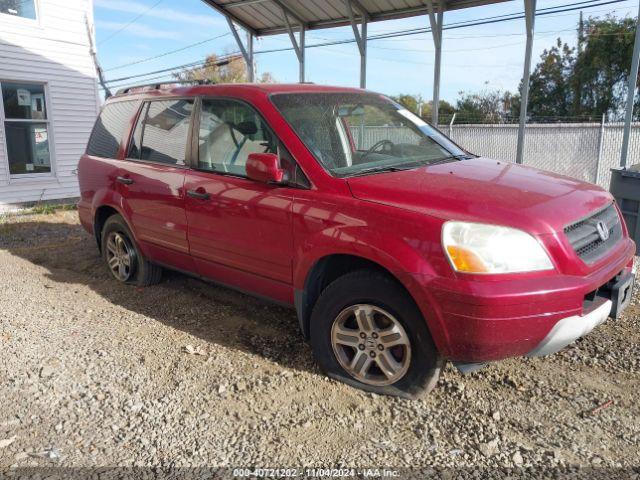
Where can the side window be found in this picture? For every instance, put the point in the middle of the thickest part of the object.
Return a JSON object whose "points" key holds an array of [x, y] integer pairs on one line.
{"points": [[109, 128], [229, 132], [166, 129], [136, 138]]}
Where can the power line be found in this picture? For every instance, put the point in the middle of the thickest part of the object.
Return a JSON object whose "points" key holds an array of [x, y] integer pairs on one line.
{"points": [[374, 37], [199, 64], [164, 54], [127, 25], [398, 33]]}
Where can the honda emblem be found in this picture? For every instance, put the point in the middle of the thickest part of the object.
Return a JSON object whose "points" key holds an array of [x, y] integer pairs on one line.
{"points": [[603, 231]]}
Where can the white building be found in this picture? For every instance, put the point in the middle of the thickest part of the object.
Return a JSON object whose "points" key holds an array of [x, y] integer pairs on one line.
{"points": [[49, 97]]}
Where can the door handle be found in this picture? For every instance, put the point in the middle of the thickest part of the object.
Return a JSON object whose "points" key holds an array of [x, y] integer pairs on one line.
{"points": [[199, 195], [124, 180]]}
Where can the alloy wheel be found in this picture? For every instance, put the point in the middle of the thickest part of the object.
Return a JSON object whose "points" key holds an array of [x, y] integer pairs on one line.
{"points": [[371, 344], [120, 256]]}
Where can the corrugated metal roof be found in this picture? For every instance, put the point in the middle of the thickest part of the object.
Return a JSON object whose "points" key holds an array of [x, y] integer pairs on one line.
{"points": [[265, 17]]}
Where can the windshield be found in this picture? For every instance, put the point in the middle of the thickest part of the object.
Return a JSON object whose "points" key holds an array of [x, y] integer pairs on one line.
{"points": [[359, 133]]}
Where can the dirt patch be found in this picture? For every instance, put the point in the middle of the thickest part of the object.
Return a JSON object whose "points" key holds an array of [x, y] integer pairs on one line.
{"points": [[190, 374]]}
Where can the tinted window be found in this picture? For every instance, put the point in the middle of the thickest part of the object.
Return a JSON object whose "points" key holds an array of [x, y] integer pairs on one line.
{"points": [[165, 133], [229, 132], [109, 128]]}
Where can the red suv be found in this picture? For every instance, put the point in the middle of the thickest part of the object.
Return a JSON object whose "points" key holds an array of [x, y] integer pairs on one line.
{"points": [[397, 248]]}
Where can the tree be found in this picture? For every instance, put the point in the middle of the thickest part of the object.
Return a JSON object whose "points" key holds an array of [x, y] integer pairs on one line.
{"points": [[415, 104], [487, 106], [602, 67], [410, 102], [588, 81], [551, 88], [228, 69], [444, 109]]}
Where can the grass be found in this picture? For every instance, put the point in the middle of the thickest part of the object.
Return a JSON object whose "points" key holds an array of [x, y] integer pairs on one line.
{"points": [[41, 208], [48, 208]]}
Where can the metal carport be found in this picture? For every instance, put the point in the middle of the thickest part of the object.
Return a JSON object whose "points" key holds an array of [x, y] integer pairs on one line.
{"points": [[271, 17]]}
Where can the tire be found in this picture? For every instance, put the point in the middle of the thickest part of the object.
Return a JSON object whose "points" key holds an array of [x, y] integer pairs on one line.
{"points": [[117, 240], [377, 296]]}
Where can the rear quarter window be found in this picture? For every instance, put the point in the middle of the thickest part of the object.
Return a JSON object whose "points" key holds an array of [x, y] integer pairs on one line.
{"points": [[110, 127]]}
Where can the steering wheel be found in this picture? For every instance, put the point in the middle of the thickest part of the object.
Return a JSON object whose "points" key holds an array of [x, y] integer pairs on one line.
{"points": [[376, 146]]}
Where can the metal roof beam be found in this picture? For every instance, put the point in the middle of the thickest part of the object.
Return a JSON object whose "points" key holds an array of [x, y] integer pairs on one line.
{"points": [[436, 27], [363, 11], [354, 26], [247, 53], [298, 46], [227, 9], [286, 8], [436, 20], [242, 3], [231, 16], [530, 19], [292, 37]]}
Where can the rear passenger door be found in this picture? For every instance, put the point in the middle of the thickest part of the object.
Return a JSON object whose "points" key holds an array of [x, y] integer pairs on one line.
{"points": [[152, 179]]}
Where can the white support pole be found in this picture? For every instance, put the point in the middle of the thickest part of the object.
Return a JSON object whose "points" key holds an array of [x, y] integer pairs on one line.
{"points": [[298, 45], [303, 57], [247, 55], [530, 14], [600, 146], [361, 40], [633, 81], [436, 31], [363, 55], [251, 64]]}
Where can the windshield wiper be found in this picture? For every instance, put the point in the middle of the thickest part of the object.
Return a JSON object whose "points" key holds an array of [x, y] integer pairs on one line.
{"points": [[388, 168], [462, 156]]}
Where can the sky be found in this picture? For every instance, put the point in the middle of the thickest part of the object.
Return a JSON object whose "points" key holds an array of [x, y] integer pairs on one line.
{"points": [[485, 57]]}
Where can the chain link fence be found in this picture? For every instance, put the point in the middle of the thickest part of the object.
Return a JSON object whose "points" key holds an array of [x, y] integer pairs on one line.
{"points": [[586, 151]]}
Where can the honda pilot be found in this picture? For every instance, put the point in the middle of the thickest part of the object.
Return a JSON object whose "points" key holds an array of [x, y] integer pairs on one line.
{"points": [[397, 248]]}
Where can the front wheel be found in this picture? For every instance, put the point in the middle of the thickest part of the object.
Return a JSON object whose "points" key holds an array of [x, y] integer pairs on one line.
{"points": [[368, 332]]}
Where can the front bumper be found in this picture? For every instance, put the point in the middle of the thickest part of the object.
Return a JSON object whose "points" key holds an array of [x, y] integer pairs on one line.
{"points": [[481, 321], [569, 329], [611, 299]]}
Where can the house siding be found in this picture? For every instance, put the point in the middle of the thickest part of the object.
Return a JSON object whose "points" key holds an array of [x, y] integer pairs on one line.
{"points": [[53, 50]]}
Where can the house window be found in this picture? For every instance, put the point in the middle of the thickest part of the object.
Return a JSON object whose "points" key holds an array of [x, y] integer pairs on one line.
{"points": [[19, 8], [26, 128]]}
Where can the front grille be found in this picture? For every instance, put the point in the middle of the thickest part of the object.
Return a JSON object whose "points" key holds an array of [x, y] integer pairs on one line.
{"points": [[585, 239]]}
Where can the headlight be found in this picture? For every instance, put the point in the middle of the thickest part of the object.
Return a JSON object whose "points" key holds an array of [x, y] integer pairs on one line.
{"points": [[481, 248]]}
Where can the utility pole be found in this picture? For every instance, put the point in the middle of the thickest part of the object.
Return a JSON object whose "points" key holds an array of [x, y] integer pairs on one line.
{"points": [[94, 56]]}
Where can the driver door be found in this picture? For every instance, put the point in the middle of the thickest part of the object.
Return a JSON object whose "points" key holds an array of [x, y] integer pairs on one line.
{"points": [[240, 230]]}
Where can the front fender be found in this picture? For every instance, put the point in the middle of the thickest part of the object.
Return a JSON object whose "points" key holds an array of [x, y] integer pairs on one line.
{"points": [[395, 253]]}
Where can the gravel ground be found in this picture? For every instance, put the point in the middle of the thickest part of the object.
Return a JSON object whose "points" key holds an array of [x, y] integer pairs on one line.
{"points": [[186, 373]]}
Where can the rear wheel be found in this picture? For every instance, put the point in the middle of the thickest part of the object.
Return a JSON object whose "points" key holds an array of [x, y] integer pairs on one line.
{"points": [[368, 332], [123, 258]]}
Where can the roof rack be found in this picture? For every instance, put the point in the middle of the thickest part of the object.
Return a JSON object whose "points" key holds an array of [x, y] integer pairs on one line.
{"points": [[159, 85]]}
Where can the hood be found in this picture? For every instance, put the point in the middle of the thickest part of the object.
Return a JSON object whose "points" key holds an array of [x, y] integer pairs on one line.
{"points": [[484, 190]]}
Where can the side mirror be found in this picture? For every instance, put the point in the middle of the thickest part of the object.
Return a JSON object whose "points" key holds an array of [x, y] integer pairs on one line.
{"points": [[264, 167]]}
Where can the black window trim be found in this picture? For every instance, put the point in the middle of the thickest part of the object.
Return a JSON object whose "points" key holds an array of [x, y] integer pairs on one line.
{"points": [[188, 144], [195, 142]]}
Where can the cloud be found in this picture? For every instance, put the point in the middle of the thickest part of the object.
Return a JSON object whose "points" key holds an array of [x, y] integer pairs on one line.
{"points": [[138, 30], [162, 13]]}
